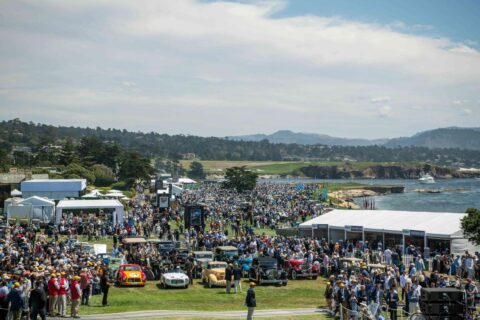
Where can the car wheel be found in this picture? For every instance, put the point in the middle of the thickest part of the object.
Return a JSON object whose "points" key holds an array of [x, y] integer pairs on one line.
{"points": [[315, 277], [203, 280], [186, 287], [294, 275], [162, 285], [284, 283], [210, 284]]}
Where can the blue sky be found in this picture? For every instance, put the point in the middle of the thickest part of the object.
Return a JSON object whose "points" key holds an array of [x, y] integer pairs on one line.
{"points": [[367, 69], [458, 20]]}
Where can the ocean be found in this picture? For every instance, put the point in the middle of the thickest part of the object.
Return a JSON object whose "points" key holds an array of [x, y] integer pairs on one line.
{"points": [[459, 194]]}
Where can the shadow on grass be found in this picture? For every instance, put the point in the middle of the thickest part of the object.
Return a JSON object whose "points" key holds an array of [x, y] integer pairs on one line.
{"points": [[159, 286]]}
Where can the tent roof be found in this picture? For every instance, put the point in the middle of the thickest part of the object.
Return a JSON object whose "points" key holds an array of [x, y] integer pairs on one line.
{"points": [[80, 204], [15, 193], [433, 223], [35, 200], [186, 180], [54, 185]]}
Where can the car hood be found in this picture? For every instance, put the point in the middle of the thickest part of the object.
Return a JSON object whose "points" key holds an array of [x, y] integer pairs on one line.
{"points": [[203, 260], [176, 276], [219, 270]]}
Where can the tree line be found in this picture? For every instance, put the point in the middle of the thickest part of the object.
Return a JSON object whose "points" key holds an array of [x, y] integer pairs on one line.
{"points": [[169, 148]]}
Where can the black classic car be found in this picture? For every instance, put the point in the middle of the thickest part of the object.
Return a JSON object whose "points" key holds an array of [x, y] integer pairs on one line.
{"points": [[265, 270]]}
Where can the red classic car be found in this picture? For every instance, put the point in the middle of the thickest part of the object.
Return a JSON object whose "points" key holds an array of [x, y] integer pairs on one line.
{"points": [[301, 269]]}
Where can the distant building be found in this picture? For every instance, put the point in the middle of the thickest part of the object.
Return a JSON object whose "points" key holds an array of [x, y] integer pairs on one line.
{"points": [[12, 180], [189, 156], [55, 189]]}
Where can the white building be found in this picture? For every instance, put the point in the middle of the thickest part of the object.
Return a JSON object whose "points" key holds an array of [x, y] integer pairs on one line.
{"points": [[55, 189]]}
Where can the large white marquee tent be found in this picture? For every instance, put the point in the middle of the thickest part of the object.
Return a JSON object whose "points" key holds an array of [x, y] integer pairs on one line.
{"points": [[425, 227], [117, 206]]}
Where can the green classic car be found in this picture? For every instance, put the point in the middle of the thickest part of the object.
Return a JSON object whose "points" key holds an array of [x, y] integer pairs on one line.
{"points": [[114, 264]]}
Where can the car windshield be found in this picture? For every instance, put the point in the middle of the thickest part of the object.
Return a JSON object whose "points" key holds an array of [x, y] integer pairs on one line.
{"points": [[268, 263], [131, 268], [218, 266], [203, 255], [230, 253], [166, 245]]}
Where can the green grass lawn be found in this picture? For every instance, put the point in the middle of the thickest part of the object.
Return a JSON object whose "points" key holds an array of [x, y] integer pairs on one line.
{"points": [[284, 167], [297, 294], [307, 317]]}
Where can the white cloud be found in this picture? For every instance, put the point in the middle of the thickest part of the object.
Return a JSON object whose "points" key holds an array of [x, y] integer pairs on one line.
{"points": [[466, 111], [382, 99], [229, 61], [385, 111], [460, 102], [128, 84]]}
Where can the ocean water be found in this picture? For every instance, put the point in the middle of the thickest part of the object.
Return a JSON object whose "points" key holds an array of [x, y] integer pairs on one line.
{"points": [[458, 194]]}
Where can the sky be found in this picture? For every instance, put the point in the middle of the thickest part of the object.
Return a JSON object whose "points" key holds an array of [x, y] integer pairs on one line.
{"points": [[357, 69]]}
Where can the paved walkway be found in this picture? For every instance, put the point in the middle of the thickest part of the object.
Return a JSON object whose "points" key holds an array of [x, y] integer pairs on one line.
{"points": [[214, 314]]}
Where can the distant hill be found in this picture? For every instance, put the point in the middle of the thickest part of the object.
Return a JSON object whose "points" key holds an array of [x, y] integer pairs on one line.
{"points": [[453, 137], [287, 136]]}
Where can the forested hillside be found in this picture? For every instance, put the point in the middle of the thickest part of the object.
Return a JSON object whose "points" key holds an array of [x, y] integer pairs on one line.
{"points": [[46, 143]]}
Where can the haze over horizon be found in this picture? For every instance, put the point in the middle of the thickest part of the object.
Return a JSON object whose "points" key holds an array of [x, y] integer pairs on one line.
{"points": [[219, 68]]}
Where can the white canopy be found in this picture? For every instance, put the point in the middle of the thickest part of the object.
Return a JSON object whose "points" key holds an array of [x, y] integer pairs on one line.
{"points": [[186, 181], [16, 193], [118, 214], [94, 194], [34, 207], [432, 223]]}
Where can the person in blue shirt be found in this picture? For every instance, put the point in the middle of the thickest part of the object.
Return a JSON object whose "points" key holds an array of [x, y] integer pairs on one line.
{"points": [[392, 301], [16, 301]]}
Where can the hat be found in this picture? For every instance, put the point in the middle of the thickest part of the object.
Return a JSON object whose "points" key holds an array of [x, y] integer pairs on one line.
{"points": [[76, 278], [63, 273], [53, 275], [252, 284], [16, 285]]}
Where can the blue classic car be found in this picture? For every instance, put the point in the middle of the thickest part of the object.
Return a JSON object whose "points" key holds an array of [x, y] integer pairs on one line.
{"points": [[246, 264]]}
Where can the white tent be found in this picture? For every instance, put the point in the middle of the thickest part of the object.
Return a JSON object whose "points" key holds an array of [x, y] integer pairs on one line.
{"points": [[16, 193], [38, 208], [94, 194], [431, 225], [56, 189], [42, 208], [118, 214], [114, 195], [176, 190], [186, 181]]}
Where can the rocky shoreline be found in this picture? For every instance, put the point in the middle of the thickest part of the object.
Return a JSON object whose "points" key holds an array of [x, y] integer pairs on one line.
{"points": [[344, 198]]}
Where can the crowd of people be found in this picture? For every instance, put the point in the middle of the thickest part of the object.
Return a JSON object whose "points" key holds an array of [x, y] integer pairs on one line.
{"points": [[43, 271]]}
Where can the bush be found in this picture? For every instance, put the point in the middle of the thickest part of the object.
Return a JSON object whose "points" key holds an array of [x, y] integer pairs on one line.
{"points": [[120, 185], [104, 176], [79, 171]]}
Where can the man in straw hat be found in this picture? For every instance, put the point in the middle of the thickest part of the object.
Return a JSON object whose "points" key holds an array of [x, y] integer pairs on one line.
{"points": [[62, 295], [250, 301], [76, 294], [52, 294]]}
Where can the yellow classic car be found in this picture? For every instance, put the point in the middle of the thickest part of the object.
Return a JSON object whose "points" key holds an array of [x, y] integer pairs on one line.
{"points": [[214, 274], [131, 275]]}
